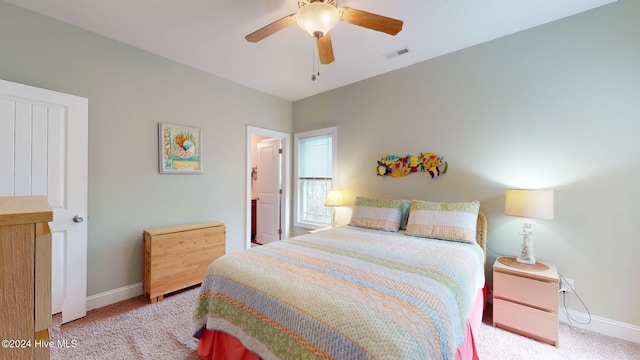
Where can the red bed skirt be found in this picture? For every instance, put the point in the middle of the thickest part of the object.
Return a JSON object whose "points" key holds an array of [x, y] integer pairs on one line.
{"points": [[219, 345]]}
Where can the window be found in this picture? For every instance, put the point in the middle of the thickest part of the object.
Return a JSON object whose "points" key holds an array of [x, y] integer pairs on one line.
{"points": [[315, 169]]}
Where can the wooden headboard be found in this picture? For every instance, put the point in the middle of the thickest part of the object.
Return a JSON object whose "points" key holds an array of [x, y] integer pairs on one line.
{"points": [[481, 232]]}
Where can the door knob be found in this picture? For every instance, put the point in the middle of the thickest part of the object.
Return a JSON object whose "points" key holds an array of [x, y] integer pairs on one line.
{"points": [[78, 219]]}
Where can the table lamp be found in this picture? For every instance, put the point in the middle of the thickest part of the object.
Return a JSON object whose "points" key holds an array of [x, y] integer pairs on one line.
{"points": [[532, 204], [334, 199]]}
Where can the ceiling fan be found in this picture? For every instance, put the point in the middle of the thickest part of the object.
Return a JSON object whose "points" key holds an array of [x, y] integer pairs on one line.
{"points": [[318, 17]]}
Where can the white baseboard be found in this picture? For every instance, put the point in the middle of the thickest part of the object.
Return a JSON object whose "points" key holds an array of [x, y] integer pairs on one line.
{"points": [[113, 296], [601, 325]]}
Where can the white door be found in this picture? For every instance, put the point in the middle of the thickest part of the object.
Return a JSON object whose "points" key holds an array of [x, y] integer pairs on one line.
{"points": [[44, 137], [269, 185]]}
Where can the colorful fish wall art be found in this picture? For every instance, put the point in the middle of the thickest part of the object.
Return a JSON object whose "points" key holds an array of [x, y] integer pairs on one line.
{"points": [[396, 166]]}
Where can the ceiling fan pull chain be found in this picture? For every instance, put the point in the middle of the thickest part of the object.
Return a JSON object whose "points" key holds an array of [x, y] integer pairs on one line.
{"points": [[313, 60]]}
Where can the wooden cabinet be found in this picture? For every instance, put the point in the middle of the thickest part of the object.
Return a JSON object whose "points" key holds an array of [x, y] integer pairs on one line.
{"points": [[526, 302], [254, 219], [177, 257], [25, 276]]}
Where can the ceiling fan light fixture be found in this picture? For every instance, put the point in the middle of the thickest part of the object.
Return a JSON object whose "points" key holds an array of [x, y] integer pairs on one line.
{"points": [[317, 18]]}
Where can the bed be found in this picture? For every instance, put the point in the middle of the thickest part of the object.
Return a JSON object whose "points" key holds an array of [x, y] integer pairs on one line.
{"points": [[393, 284]]}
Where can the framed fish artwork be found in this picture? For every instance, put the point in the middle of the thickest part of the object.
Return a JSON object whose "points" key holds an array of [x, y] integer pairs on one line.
{"points": [[396, 166], [180, 149]]}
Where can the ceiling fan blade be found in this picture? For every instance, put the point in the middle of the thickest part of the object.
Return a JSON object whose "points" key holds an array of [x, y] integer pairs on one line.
{"points": [[371, 21], [272, 28], [325, 49]]}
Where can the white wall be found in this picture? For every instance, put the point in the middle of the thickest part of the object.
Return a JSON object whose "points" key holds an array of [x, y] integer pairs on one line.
{"points": [[129, 92], [554, 107]]}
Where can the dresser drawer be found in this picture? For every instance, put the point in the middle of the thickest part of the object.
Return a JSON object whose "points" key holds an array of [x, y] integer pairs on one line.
{"points": [[536, 293], [538, 324]]}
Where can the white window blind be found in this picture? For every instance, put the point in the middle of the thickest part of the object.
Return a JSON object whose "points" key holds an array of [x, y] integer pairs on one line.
{"points": [[315, 157], [315, 164]]}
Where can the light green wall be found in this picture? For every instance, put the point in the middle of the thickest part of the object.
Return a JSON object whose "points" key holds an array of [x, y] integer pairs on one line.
{"points": [[555, 107], [129, 92]]}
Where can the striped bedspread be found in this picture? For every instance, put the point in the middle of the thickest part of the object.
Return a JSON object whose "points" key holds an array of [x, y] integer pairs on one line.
{"points": [[345, 293]]}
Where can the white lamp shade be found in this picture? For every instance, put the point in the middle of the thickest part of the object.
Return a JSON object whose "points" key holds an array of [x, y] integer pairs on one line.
{"points": [[317, 18], [334, 198], [533, 204]]}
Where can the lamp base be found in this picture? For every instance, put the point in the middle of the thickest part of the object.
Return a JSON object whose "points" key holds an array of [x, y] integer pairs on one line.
{"points": [[526, 261], [527, 256]]}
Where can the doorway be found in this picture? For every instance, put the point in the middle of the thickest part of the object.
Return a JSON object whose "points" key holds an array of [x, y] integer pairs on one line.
{"points": [[268, 189], [44, 135]]}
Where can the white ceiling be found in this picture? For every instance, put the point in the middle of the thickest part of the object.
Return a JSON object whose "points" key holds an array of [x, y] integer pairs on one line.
{"points": [[209, 34]]}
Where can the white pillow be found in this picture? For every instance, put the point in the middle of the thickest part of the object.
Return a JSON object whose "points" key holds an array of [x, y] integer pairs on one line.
{"points": [[448, 221], [378, 214]]}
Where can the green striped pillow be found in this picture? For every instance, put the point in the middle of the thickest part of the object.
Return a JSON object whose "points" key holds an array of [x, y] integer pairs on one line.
{"points": [[378, 214], [448, 221]]}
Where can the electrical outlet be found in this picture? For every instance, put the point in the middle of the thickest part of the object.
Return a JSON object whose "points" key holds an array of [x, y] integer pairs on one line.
{"points": [[567, 285]]}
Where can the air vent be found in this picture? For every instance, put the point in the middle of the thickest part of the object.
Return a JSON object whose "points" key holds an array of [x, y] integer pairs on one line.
{"points": [[393, 54]]}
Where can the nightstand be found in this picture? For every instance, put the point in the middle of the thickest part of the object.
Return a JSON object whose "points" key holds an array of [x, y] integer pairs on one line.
{"points": [[526, 301]]}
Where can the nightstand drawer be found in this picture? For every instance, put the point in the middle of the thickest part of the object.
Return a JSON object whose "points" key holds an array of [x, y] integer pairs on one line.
{"points": [[536, 293], [538, 324]]}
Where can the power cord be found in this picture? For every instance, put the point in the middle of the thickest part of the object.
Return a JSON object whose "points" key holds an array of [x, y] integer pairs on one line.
{"points": [[493, 251], [564, 302]]}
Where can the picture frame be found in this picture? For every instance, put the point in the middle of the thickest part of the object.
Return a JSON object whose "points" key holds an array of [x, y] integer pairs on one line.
{"points": [[179, 149]]}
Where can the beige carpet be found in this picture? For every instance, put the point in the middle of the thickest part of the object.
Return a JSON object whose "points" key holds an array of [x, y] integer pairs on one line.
{"points": [[132, 329], [135, 329]]}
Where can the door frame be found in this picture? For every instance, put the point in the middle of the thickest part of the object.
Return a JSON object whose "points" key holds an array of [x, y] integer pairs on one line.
{"points": [[285, 210]]}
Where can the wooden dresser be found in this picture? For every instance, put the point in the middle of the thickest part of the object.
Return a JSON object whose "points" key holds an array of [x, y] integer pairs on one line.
{"points": [[254, 219], [25, 277], [177, 257], [526, 302]]}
